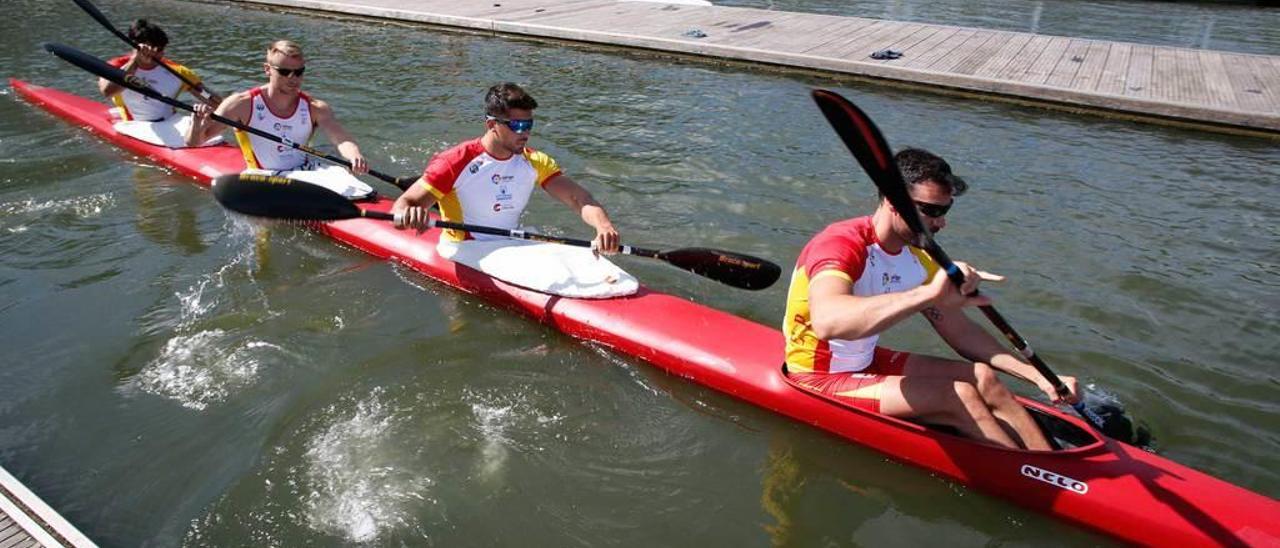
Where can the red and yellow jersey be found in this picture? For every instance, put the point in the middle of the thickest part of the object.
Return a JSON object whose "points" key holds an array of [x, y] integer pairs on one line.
{"points": [[849, 250], [294, 127], [131, 105], [474, 187]]}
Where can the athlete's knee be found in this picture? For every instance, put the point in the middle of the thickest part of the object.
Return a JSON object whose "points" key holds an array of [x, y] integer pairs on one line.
{"points": [[969, 399], [989, 383]]}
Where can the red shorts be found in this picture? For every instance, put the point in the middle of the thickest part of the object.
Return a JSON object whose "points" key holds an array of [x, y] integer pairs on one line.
{"points": [[859, 389]]}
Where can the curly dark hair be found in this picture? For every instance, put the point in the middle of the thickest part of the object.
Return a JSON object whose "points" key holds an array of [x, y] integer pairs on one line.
{"points": [[143, 32], [503, 97], [919, 166]]}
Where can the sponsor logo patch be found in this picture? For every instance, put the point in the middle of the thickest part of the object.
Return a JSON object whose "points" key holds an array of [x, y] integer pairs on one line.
{"points": [[1057, 480]]}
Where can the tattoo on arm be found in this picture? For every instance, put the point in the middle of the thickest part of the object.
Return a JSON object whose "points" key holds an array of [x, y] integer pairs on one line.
{"points": [[933, 314]]}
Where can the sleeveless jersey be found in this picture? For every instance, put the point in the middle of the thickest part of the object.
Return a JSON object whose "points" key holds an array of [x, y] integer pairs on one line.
{"points": [[850, 250], [131, 105], [296, 126], [474, 187]]}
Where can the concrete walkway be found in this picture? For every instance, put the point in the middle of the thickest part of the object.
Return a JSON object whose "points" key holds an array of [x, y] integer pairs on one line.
{"points": [[1210, 89]]}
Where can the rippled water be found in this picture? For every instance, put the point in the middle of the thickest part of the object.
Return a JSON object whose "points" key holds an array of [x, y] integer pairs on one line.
{"points": [[173, 375]]}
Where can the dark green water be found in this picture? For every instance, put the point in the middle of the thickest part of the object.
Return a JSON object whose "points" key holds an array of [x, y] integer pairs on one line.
{"points": [[162, 382]]}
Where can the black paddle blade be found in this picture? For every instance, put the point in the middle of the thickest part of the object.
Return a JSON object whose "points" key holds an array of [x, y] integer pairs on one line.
{"points": [[100, 68], [97, 14], [727, 267], [868, 145], [281, 198]]}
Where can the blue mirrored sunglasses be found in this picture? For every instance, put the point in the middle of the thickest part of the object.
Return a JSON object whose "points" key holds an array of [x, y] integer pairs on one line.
{"points": [[518, 126]]}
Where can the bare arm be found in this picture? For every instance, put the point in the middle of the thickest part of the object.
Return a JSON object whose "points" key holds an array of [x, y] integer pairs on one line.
{"points": [[570, 193], [413, 204], [973, 342], [327, 121], [235, 107], [839, 314]]}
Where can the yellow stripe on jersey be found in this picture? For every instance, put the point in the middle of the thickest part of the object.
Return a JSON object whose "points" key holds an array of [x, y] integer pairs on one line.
{"points": [[930, 267], [246, 148], [801, 338], [543, 164]]}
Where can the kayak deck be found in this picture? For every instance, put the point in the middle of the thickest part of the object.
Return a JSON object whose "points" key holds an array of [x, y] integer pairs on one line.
{"points": [[1098, 483]]}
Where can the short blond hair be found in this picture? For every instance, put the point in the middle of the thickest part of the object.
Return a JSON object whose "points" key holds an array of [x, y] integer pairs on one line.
{"points": [[288, 48]]}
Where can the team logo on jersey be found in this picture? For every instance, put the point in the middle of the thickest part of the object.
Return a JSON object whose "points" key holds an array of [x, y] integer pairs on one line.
{"points": [[497, 207], [474, 167], [260, 107], [503, 195]]}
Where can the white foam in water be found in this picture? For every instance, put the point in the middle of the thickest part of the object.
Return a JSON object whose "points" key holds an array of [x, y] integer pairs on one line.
{"points": [[492, 422], [204, 368], [358, 488], [83, 206], [495, 419]]}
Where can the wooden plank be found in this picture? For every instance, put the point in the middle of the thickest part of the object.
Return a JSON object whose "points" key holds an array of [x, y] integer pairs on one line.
{"points": [[1018, 66], [839, 33], [974, 50], [1095, 58], [762, 34], [1068, 66], [1267, 70], [547, 12], [939, 49], [1011, 47], [1217, 82], [1191, 85], [799, 35], [1116, 72], [1043, 66], [863, 45], [1164, 74], [1138, 79], [919, 49], [912, 37]]}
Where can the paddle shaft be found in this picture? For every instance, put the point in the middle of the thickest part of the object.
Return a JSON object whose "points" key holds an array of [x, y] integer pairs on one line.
{"points": [[517, 234], [101, 18]]}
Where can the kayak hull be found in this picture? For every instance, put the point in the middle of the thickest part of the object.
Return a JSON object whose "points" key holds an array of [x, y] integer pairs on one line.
{"points": [[1101, 484]]}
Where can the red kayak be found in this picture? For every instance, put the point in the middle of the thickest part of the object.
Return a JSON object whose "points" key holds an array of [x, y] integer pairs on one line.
{"points": [[1098, 483]]}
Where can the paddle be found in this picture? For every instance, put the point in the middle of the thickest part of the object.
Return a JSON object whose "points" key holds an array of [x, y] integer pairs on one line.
{"points": [[102, 69], [868, 145], [97, 14], [283, 198]]}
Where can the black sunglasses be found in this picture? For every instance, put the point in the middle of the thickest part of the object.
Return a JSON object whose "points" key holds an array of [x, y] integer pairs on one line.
{"points": [[289, 72], [934, 210]]}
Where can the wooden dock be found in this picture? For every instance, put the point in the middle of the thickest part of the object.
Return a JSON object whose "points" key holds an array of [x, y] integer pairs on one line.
{"points": [[26, 521], [1210, 89]]}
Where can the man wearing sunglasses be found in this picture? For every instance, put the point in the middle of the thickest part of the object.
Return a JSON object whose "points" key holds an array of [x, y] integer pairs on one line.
{"points": [[281, 107], [488, 180], [859, 277]]}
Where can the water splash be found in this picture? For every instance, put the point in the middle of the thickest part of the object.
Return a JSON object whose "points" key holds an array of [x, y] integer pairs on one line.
{"points": [[204, 368], [358, 488], [82, 206]]}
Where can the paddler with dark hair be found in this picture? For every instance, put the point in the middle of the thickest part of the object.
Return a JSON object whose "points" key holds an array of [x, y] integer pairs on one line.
{"points": [[859, 277], [488, 180], [144, 63], [281, 107]]}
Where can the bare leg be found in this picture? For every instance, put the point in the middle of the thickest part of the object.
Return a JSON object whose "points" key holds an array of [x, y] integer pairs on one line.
{"points": [[943, 401], [999, 400]]}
